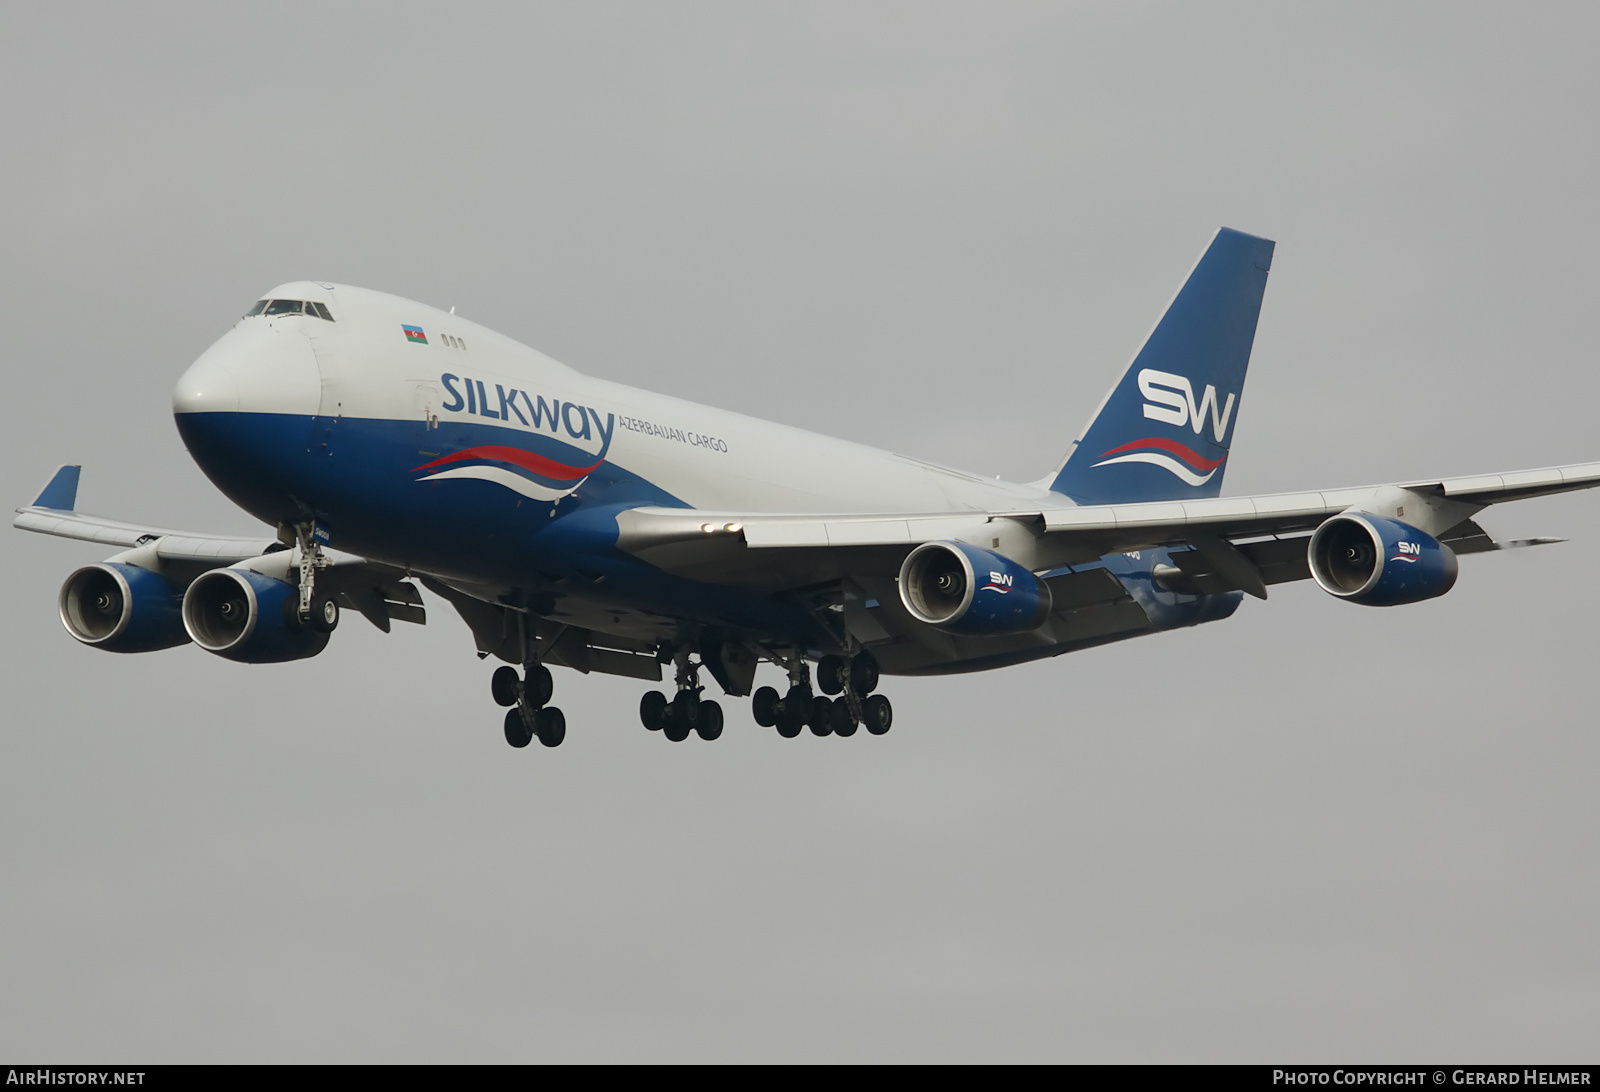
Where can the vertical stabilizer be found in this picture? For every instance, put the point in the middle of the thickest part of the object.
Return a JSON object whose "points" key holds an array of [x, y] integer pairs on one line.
{"points": [[1164, 431]]}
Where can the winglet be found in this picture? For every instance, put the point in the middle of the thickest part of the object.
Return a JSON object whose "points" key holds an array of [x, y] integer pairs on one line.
{"points": [[61, 491]]}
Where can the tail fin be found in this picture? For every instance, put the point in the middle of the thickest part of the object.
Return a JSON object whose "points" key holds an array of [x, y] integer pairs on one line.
{"points": [[1164, 430]]}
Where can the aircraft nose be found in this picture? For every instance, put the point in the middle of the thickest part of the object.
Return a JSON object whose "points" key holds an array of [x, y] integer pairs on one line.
{"points": [[252, 369], [208, 386], [244, 410]]}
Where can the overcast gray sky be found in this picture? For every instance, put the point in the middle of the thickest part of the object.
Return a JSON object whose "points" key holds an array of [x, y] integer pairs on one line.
{"points": [[1314, 832]]}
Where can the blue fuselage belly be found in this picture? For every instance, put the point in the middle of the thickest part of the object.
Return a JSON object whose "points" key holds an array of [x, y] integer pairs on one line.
{"points": [[359, 478]]}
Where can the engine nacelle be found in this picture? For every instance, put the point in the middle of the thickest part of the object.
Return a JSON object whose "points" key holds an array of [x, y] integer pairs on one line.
{"points": [[246, 616], [1380, 562], [964, 589], [122, 608]]}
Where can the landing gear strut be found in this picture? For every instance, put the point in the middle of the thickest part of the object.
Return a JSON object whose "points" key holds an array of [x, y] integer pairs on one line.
{"points": [[317, 609]]}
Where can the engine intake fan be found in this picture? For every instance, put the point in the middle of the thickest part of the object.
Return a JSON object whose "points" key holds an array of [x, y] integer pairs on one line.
{"points": [[964, 589], [121, 608], [245, 616], [1379, 562]]}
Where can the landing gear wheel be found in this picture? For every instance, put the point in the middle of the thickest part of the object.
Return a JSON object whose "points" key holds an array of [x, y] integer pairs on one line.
{"points": [[538, 685], [324, 613], [843, 723], [504, 686], [764, 706], [518, 734], [792, 713], [653, 710], [682, 717], [863, 674], [831, 674], [878, 714], [550, 725], [821, 719], [686, 708], [710, 726]]}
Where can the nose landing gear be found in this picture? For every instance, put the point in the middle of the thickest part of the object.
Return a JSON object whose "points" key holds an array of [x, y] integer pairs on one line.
{"points": [[315, 607]]}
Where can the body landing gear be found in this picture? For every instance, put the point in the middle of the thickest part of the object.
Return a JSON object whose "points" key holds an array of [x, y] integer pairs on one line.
{"points": [[687, 712], [530, 716], [853, 679]]}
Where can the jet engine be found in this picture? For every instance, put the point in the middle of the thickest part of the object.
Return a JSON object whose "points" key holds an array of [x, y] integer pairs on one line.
{"points": [[964, 589], [1379, 562], [122, 608], [246, 616]]}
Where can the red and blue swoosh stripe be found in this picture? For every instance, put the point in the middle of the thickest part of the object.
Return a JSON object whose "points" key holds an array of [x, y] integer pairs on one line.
{"points": [[1175, 458], [521, 471], [548, 469]]}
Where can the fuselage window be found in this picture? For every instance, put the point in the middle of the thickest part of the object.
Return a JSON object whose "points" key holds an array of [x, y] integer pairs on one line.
{"points": [[261, 305], [284, 307]]}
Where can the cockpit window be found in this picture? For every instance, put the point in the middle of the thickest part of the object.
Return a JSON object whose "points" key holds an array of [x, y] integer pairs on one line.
{"points": [[291, 307]]}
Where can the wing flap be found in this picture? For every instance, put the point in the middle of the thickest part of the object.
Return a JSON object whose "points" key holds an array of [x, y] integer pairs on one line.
{"points": [[1087, 588]]}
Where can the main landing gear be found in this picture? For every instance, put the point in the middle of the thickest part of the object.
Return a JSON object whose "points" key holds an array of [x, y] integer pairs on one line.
{"points": [[687, 712], [846, 704], [853, 680], [530, 714]]}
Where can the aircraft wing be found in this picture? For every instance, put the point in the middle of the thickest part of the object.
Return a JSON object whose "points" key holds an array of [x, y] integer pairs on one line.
{"points": [[169, 544], [376, 590], [730, 546]]}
